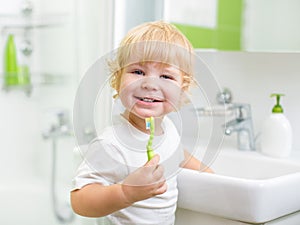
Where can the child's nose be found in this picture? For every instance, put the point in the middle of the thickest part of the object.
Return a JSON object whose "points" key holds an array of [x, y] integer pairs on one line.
{"points": [[150, 83]]}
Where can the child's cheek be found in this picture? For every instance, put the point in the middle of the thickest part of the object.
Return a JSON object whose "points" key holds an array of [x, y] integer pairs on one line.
{"points": [[127, 84], [173, 96]]}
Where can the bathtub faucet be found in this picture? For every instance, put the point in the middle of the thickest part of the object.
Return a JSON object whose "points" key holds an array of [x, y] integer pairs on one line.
{"points": [[61, 127], [243, 125]]}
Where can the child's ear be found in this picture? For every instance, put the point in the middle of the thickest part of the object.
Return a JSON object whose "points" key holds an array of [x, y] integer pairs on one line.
{"points": [[184, 98]]}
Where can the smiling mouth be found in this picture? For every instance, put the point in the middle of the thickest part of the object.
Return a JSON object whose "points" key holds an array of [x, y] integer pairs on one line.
{"points": [[148, 99]]}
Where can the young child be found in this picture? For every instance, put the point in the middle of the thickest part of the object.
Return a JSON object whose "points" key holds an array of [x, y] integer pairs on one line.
{"points": [[151, 72]]}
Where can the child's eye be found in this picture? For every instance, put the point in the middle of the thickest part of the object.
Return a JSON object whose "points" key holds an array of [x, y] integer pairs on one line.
{"points": [[168, 77], [138, 72]]}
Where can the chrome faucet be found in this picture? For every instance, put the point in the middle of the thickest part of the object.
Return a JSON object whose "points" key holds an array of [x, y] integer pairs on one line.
{"points": [[61, 127], [243, 125]]}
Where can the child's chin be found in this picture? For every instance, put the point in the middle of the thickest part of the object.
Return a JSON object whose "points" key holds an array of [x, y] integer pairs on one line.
{"points": [[146, 114]]}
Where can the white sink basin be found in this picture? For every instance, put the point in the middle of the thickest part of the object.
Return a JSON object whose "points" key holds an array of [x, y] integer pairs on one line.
{"points": [[246, 186]]}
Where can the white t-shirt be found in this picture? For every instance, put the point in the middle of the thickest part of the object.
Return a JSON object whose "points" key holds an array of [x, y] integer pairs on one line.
{"points": [[119, 151]]}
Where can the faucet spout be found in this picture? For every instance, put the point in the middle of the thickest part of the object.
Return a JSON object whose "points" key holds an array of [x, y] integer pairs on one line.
{"points": [[243, 126]]}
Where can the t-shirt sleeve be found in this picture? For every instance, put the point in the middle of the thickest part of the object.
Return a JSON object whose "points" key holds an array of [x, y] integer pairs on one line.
{"points": [[102, 163]]}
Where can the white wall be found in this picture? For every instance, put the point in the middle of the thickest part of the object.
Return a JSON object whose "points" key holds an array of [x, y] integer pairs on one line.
{"points": [[53, 54], [130, 13], [252, 77], [271, 25], [65, 52]]}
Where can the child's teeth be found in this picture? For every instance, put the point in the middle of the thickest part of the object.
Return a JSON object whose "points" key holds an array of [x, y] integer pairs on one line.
{"points": [[147, 100]]}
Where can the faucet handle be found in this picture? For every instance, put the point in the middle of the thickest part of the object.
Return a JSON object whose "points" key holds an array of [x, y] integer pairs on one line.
{"points": [[62, 117], [224, 97], [242, 110], [57, 123]]}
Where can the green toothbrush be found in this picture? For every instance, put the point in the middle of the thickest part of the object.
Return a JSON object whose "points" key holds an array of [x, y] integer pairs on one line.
{"points": [[150, 126]]}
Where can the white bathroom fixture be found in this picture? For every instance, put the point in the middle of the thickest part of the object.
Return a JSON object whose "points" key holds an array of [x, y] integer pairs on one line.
{"points": [[246, 186]]}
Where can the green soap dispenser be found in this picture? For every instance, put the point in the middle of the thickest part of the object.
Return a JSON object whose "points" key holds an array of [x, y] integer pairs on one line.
{"points": [[10, 62], [276, 136]]}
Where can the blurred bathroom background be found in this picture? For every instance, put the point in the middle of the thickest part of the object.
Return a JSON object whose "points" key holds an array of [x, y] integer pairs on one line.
{"points": [[253, 58]]}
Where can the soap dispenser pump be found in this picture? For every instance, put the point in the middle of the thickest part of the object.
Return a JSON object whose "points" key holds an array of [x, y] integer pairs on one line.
{"points": [[276, 136]]}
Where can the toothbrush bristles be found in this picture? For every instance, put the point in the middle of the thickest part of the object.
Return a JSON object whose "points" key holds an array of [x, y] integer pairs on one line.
{"points": [[148, 123]]}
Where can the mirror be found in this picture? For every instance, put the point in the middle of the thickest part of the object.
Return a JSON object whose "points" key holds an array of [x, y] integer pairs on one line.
{"points": [[238, 25]]}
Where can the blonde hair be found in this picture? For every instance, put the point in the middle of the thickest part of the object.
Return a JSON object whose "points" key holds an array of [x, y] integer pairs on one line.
{"points": [[154, 41]]}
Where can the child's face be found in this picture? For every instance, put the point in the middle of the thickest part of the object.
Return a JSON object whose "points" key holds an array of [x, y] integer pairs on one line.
{"points": [[151, 89]]}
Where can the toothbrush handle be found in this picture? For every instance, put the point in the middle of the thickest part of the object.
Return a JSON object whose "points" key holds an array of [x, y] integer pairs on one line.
{"points": [[150, 153]]}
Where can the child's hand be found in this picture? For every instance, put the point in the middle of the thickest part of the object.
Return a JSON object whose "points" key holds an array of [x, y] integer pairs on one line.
{"points": [[145, 182]]}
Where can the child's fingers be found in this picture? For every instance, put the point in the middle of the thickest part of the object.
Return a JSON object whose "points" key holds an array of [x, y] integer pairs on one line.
{"points": [[154, 168], [162, 188], [154, 161], [158, 173]]}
